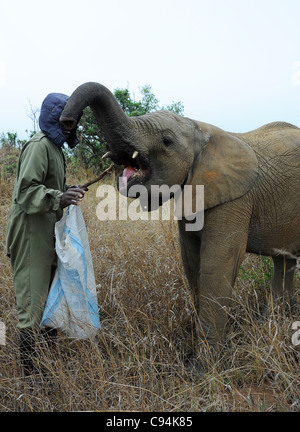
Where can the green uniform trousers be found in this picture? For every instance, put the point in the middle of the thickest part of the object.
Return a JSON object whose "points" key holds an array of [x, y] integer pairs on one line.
{"points": [[33, 263]]}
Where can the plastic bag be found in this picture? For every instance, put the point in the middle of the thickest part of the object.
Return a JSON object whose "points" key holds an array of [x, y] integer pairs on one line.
{"points": [[72, 301]]}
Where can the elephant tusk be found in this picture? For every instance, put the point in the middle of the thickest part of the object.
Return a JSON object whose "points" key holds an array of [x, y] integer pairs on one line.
{"points": [[107, 155], [135, 154]]}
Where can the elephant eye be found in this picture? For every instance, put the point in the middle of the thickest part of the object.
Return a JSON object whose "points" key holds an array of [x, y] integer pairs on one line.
{"points": [[167, 141]]}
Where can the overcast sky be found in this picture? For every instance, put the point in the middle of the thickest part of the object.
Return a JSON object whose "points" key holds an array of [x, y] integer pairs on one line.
{"points": [[232, 63]]}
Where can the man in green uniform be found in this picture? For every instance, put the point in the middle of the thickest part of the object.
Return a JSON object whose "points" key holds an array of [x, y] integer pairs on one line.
{"points": [[39, 196]]}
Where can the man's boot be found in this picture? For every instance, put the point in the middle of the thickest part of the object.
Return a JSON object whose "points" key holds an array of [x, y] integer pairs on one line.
{"points": [[48, 353], [49, 336], [32, 361], [27, 352]]}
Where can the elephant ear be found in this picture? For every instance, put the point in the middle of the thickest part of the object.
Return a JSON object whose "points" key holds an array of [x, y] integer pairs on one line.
{"points": [[227, 167]]}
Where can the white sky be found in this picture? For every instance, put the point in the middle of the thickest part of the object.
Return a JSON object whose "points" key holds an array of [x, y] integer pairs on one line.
{"points": [[232, 63]]}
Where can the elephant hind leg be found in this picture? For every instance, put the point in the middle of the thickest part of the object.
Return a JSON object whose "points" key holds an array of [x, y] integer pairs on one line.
{"points": [[282, 283]]}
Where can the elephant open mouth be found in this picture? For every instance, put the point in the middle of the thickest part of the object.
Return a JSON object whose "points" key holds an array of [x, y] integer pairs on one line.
{"points": [[136, 169]]}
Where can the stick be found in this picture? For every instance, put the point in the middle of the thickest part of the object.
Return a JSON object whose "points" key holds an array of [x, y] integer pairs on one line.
{"points": [[103, 174]]}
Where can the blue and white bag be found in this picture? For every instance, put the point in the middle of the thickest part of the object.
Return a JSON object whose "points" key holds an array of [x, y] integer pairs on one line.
{"points": [[72, 301]]}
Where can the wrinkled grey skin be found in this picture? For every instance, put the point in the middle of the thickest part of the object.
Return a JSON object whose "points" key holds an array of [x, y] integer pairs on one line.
{"points": [[251, 182]]}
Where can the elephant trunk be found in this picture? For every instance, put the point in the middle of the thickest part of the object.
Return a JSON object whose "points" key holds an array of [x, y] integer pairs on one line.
{"points": [[113, 122]]}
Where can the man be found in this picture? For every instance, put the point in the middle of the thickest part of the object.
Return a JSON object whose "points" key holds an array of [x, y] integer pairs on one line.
{"points": [[39, 196]]}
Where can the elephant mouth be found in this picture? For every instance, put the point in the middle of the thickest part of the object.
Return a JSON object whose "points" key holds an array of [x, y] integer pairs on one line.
{"points": [[136, 169]]}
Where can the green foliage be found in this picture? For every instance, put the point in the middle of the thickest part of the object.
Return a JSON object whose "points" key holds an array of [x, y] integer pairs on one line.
{"points": [[10, 140], [92, 143], [9, 164], [261, 275], [176, 107], [10, 146], [128, 105], [149, 101]]}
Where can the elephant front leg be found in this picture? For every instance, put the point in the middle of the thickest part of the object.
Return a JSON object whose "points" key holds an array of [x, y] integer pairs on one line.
{"points": [[211, 261], [190, 245], [223, 247]]}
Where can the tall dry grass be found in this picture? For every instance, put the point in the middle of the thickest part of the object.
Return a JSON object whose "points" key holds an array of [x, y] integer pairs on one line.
{"points": [[137, 363]]}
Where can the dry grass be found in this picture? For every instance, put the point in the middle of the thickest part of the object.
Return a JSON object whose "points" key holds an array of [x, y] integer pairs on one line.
{"points": [[138, 361]]}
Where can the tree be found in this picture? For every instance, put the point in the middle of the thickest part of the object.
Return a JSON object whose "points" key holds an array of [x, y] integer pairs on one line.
{"points": [[92, 143], [11, 141], [33, 114]]}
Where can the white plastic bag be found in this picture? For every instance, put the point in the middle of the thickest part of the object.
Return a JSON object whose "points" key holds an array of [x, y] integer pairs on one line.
{"points": [[72, 301]]}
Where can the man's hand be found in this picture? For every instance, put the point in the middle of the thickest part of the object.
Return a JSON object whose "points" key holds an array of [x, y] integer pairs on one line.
{"points": [[73, 195]]}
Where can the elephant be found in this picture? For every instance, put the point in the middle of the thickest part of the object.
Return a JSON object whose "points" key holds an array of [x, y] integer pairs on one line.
{"points": [[251, 193]]}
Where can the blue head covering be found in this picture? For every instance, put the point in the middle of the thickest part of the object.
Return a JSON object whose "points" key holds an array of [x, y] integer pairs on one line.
{"points": [[51, 110]]}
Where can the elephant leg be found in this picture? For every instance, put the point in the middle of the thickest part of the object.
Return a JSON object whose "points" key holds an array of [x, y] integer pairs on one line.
{"points": [[282, 283], [190, 253], [217, 277], [223, 247]]}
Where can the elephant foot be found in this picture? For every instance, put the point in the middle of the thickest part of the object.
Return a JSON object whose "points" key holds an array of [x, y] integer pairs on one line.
{"points": [[203, 363], [207, 358], [196, 367]]}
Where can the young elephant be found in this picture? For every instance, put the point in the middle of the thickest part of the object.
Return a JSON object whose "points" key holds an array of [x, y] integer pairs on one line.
{"points": [[251, 192]]}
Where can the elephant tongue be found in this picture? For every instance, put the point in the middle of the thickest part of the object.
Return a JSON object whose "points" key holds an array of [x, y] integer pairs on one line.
{"points": [[127, 173]]}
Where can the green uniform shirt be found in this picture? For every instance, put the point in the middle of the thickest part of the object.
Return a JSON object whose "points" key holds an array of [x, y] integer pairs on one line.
{"points": [[39, 186]]}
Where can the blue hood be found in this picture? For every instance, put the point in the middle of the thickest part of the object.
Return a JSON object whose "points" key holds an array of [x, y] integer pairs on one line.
{"points": [[51, 110]]}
